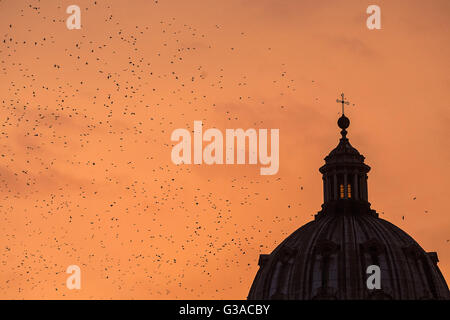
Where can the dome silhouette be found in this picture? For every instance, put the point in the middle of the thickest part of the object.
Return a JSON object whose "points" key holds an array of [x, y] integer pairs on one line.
{"points": [[328, 257]]}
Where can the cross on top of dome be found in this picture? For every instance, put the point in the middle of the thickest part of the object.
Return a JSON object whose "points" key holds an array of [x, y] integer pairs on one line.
{"points": [[343, 102], [343, 121]]}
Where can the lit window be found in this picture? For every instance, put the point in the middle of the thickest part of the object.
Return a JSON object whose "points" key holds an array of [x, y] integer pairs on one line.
{"points": [[341, 189], [349, 191]]}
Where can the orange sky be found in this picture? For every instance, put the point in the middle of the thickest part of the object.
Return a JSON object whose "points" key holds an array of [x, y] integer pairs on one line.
{"points": [[86, 116]]}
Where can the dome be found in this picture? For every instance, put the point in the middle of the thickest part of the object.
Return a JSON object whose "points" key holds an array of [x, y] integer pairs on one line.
{"points": [[328, 257]]}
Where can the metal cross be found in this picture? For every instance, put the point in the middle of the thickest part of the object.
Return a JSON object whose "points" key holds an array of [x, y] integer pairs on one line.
{"points": [[343, 102]]}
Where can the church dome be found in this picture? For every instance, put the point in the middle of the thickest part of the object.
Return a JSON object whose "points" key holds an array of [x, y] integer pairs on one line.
{"points": [[328, 257]]}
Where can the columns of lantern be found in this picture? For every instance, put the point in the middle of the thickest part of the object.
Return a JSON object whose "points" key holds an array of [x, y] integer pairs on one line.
{"points": [[366, 193], [328, 188], [354, 185], [335, 187], [363, 185], [355, 191], [345, 186]]}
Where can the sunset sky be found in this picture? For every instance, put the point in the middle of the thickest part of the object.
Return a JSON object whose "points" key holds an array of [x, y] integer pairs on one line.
{"points": [[86, 176]]}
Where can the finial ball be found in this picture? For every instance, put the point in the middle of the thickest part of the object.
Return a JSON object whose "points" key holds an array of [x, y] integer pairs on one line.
{"points": [[343, 122]]}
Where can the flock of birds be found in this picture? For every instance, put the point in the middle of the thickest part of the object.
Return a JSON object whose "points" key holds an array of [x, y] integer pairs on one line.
{"points": [[85, 171]]}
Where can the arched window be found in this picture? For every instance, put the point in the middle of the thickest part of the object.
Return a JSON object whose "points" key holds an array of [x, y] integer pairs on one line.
{"points": [[349, 191]]}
